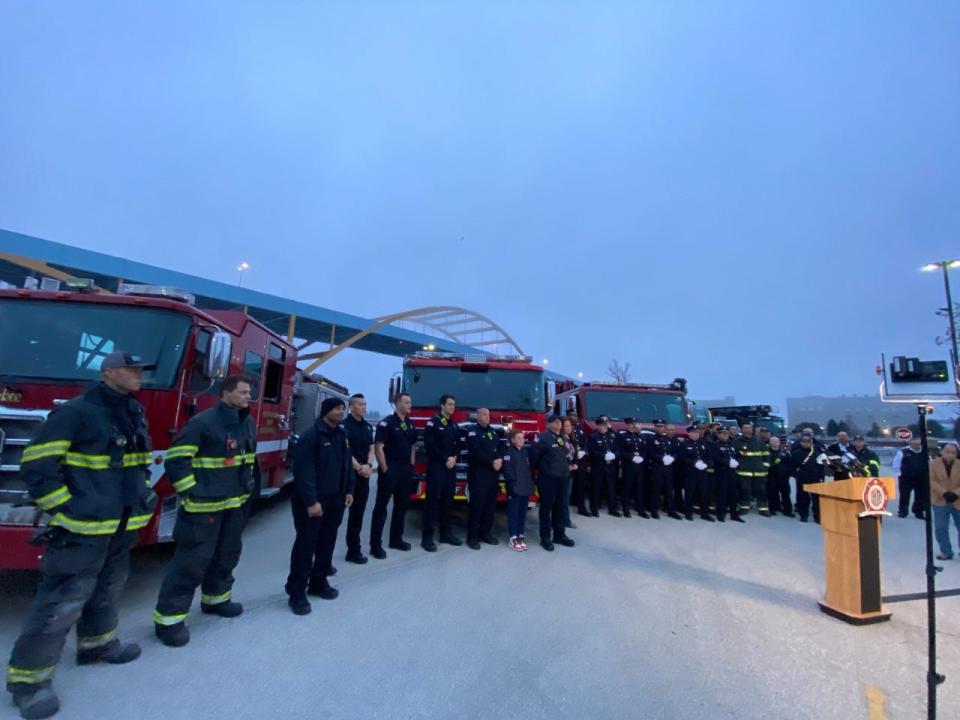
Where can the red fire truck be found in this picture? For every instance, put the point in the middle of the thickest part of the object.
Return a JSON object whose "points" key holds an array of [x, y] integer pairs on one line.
{"points": [[642, 401], [511, 387], [53, 344]]}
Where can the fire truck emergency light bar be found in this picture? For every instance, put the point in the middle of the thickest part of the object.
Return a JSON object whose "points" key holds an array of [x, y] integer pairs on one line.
{"points": [[164, 291], [472, 358]]}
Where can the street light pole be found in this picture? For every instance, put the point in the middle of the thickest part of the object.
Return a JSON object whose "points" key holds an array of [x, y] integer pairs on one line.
{"points": [[953, 327]]}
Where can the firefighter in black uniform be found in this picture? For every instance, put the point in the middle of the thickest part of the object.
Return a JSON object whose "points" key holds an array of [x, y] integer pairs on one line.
{"points": [[661, 454], [778, 482], [549, 457], [395, 447], [630, 446], [808, 465], [442, 442], [323, 482], [485, 457], [88, 470], [695, 456], [210, 465], [578, 494], [726, 460], [360, 435], [602, 447]]}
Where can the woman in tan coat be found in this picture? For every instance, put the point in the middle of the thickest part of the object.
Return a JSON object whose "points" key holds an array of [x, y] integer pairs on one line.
{"points": [[945, 497]]}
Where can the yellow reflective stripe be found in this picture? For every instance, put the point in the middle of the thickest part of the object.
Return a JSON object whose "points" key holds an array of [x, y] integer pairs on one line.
{"points": [[52, 499], [216, 463], [182, 451], [92, 462], [214, 505], [161, 619], [95, 641], [137, 458], [136, 522], [85, 527], [184, 483], [42, 450], [214, 599], [24, 675], [250, 458]]}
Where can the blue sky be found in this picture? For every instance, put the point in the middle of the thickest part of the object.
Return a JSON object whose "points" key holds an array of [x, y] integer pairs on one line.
{"points": [[737, 192]]}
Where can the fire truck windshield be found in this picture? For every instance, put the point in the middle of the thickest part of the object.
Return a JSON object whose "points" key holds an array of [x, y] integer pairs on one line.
{"points": [[644, 406], [520, 390], [66, 341]]}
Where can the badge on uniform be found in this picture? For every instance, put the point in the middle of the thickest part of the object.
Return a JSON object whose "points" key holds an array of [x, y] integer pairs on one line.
{"points": [[443, 421], [403, 426]]}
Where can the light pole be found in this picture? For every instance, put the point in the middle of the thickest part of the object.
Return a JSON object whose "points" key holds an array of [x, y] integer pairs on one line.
{"points": [[943, 266], [242, 268]]}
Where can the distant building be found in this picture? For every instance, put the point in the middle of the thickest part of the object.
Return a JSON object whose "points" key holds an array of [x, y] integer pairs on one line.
{"points": [[858, 411]]}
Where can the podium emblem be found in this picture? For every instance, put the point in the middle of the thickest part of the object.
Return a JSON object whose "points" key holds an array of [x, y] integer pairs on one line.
{"points": [[875, 498]]}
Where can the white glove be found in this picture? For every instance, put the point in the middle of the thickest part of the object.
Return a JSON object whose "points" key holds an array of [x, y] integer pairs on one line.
{"points": [[734, 463], [609, 456], [823, 459], [668, 459], [700, 465], [581, 454], [637, 459]]}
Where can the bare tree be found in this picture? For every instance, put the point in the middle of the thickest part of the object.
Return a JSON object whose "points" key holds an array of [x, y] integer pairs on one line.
{"points": [[619, 372]]}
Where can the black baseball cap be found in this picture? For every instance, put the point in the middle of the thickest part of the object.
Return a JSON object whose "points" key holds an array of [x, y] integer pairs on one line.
{"points": [[723, 429], [602, 420], [553, 417], [659, 422], [122, 359], [629, 421], [691, 428]]}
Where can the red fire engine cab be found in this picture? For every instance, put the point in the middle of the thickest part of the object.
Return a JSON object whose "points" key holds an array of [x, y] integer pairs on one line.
{"points": [[53, 344], [642, 401]]}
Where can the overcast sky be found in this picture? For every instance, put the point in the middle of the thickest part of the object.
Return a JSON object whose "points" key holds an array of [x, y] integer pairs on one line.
{"points": [[740, 193]]}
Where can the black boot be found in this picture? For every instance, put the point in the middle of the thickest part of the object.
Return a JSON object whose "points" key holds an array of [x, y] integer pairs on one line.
{"points": [[172, 635], [355, 556], [40, 703], [114, 652], [228, 609]]}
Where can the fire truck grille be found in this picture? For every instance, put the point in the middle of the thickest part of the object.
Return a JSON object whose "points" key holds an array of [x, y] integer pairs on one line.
{"points": [[17, 429]]}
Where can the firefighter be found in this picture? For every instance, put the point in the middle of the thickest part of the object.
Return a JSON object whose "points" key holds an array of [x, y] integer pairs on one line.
{"points": [[630, 447], [442, 442], [579, 491], [602, 447], [323, 485], [867, 457], [549, 457], [725, 463], [912, 479], [778, 479], [807, 463], [661, 454], [753, 469], [210, 465], [360, 435], [88, 470], [696, 458], [485, 458], [395, 448]]}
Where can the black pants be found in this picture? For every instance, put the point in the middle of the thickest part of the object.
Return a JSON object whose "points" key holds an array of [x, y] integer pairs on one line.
{"points": [[551, 510], [81, 578], [661, 486], [208, 549], [484, 486], [629, 475], [803, 501], [695, 491], [313, 547], [578, 494], [679, 483], [438, 506], [728, 493], [908, 486], [396, 484], [603, 475], [361, 492], [778, 491]]}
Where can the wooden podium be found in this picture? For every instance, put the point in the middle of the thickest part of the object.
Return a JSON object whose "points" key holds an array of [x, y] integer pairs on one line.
{"points": [[851, 551]]}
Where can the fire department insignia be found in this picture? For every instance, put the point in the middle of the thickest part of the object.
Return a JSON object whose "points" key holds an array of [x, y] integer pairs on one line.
{"points": [[875, 498]]}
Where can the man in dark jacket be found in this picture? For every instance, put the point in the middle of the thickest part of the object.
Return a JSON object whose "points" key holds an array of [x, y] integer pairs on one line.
{"points": [[210, 464], [518, 478], [442, 442], [549, 458], [778, 480], [661, 454], [696, 456], [912, 480], [807, 464], [485, 457], [323, 483], [360, 436], [726, 459], [630, 446], [578, 493], [88, 470], [604, 468], [867, 457]]}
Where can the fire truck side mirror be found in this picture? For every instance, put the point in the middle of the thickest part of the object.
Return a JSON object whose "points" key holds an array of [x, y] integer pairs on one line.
{"points": [[392, 390], [216, 364], [551, 394]]}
